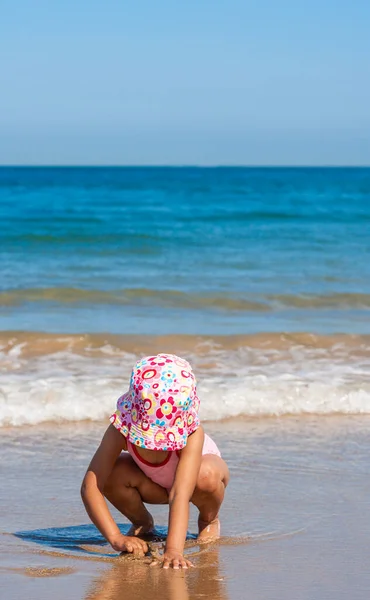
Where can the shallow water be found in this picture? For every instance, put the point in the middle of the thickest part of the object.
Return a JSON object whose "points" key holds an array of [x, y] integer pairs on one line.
{"points": [[295, 522]]}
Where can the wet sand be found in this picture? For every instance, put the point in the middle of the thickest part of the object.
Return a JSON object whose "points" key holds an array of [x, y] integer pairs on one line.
{"points": [[295, 523]]}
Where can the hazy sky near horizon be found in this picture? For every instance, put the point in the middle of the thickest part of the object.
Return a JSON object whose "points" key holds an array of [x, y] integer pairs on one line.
{"points": [[196, 82]]}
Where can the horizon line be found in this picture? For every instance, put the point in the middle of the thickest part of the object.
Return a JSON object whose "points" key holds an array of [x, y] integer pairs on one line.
{"points": [[179, 166]]}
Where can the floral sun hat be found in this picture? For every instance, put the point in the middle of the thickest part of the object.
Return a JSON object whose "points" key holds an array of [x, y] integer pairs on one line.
{"points": [[160, 409]]}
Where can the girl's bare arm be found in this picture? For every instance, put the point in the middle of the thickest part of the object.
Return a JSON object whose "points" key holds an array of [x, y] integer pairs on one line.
{"points": [[179, 499], [92, 488]]}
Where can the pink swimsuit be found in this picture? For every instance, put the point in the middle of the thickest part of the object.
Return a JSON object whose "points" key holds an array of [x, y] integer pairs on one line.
{"points": [[164, 473]]}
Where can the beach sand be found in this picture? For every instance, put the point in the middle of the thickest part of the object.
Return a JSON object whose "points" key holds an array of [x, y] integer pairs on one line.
{"points": [[295, 522]]}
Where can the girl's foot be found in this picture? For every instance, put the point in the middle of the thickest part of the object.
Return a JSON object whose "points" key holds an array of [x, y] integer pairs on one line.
{"points": [[208, 532]]}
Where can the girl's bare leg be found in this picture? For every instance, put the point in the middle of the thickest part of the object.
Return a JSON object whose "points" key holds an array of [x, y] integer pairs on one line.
{"points": [[127, 488], [208, 495]]}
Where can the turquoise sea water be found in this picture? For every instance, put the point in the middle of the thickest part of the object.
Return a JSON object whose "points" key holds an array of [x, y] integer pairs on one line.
{"points": [[185, 250], [259, 277]]}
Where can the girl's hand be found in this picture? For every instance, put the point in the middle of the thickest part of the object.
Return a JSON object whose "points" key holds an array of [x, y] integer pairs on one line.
{"points": [[125, 543], [173, 558]]}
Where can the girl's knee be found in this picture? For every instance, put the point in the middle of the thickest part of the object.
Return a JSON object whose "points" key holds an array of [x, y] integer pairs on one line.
{"points": [[122, 474], [209, 479]]}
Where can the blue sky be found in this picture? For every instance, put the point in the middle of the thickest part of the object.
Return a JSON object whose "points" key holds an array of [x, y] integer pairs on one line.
{"points": [[195, 82]]}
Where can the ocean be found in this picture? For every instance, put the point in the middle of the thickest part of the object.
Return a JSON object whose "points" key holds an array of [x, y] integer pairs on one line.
{"points": [[259, 276], [261, 279]]}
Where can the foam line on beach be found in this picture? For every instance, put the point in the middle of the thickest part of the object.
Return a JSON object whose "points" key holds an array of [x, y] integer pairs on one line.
{"points": [[64, 378]]}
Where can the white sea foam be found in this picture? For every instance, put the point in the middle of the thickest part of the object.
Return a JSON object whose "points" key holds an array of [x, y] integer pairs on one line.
{"points": [[70, 387]]}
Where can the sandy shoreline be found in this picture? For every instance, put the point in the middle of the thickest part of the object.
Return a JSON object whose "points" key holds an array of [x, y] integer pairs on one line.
{"points": [[299, 492]]}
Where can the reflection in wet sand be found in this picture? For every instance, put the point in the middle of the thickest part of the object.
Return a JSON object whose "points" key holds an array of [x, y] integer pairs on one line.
{"points": [[129, 580]]}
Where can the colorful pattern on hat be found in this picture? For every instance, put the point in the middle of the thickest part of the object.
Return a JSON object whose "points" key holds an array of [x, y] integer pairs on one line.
{"points": [[160, 410]]}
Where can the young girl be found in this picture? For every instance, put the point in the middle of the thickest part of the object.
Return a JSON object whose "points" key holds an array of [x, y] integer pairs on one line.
{"points": [[168, 459]]}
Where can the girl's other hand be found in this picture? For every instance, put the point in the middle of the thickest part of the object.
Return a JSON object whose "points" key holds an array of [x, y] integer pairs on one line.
{"points": [[173, 558], [134, 545]]}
